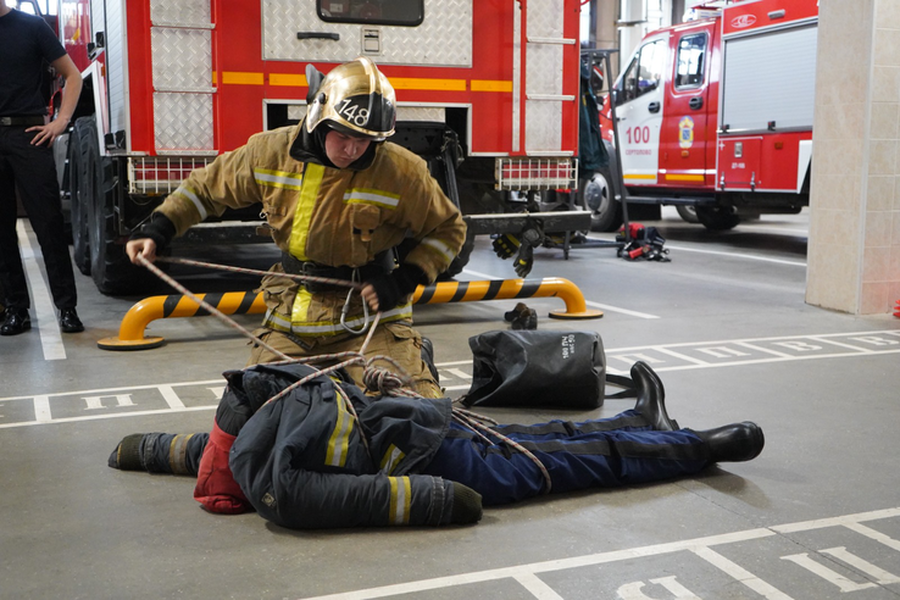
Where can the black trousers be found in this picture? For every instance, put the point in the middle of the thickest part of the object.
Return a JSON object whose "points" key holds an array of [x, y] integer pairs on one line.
{"points": [[32, 170]]}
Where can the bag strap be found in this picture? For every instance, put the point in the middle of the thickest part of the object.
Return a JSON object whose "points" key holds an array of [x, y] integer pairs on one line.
{"points": [[621, 381]]}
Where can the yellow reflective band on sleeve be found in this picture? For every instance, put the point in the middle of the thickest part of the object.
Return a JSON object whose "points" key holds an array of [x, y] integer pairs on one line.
{"points": [[312, 179], [401, 497], [278, 179], [391, 459], [374, 197], [339, 442]]}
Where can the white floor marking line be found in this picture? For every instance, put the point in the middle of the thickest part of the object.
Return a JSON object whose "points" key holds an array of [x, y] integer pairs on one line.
{"points": [[42, 409], [537, 587], [171, 397], [779, 261], [728, 353], [805, 561], [881, 576], [874, 535], [124, 388], [48, 328], [699, 546], [137, 413], [740, 574], [617, 309], [606, 307]]}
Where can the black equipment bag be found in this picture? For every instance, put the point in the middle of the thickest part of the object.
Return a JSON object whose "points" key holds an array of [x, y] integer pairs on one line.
{"points": [[529, 368]]}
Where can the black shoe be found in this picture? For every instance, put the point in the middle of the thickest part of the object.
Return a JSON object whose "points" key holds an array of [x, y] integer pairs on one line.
{"points": [[521, 317], [737, 442], [428, 357], [69, 321], [651, 397], [17, 321]]}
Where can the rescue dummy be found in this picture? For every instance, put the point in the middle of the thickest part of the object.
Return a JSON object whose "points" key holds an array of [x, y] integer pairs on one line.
{"points": [[338, 200], [323, 454]]}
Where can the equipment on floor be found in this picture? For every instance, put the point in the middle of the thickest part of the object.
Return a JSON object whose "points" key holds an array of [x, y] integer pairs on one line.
{"points": [[642, 243]]}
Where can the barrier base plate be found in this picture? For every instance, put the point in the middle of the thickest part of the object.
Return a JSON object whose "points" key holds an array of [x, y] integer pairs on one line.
{"points": [[114, 343], [584, 314]]}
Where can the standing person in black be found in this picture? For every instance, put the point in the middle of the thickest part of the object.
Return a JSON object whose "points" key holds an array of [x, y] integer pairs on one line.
{"points": [[27, 165]]}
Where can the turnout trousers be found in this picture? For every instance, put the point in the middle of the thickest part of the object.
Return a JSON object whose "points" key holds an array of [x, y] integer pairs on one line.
{"points": [[31, 170], [603, 453]]}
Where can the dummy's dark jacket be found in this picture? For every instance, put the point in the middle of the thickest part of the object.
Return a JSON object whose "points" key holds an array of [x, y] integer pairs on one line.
{"points": [[301, 460]]}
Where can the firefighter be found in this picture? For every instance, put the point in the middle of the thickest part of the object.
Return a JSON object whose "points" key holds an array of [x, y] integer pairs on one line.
{"points": [[306, 460], [342, 203]]}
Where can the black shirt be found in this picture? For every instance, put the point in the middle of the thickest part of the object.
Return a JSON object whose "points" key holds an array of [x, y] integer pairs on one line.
{"points": [[26, 41]]}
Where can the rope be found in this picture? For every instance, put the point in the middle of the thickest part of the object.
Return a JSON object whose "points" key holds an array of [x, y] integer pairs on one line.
{"points": [[389, 383], [293, 276], [474, 422]]}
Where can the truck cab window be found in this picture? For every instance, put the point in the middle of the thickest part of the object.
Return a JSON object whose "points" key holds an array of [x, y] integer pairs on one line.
{"points": [[408, 13], [689, 63], [643, 73]]}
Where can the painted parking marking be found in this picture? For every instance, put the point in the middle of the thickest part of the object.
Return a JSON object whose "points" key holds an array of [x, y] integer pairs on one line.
{"points": [[51, 337], [456, 376], [810, 574], [692, 355]]}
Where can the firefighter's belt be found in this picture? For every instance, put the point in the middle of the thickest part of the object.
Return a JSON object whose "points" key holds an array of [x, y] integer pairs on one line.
{"points": [[313, 269]]}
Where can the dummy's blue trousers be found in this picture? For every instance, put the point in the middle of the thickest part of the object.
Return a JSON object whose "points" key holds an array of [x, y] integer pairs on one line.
{"points": [[603, 453]]}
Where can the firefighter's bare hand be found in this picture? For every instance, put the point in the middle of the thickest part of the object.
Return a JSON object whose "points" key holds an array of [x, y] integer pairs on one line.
{"points": [[144, 247], [370, 297], [45, 134]]}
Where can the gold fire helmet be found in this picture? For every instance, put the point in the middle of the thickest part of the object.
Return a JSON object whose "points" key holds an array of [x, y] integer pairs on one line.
{"points": [[357, 97]]}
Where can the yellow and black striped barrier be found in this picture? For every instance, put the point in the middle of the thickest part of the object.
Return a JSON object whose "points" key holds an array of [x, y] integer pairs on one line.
{"points": [[131, 330]]}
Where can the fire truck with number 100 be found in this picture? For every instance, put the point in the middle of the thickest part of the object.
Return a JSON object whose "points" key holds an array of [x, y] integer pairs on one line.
{"points": [[715, 113], [487, 92]]}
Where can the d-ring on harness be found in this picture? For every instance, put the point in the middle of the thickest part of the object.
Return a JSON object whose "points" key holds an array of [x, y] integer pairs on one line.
{"points": [[375, 378]]}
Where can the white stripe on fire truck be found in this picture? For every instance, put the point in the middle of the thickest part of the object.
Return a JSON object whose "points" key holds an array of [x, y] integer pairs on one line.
{"points": [[382, 199], [190, 195], [278, 179]]}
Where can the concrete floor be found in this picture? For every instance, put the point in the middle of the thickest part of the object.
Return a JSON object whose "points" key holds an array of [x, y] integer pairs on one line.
{"points": [[816, 516]]}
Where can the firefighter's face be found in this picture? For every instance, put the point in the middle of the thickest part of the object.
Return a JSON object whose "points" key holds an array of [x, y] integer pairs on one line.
{"points": [[343, 149]]}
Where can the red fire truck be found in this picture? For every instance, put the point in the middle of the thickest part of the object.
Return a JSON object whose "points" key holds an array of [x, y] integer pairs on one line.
{"points": [[486, 92], [716, 113]]}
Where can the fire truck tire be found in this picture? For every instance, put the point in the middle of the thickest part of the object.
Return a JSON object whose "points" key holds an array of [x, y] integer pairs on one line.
{"points": [[718, 218], [79, 192], [687, 212], [596, 196], [110, 268]]}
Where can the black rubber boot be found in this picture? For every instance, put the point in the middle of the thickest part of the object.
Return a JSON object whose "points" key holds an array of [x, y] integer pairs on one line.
{"points": [[428, 357], [737, 442], [651, 397]]}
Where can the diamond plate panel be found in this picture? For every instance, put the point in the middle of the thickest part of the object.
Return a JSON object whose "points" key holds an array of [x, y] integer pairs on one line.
{"points": [[182, 59], [543, 126], [544, 73], [186, 13], [183, 122], [545, 18], [443, 39]]}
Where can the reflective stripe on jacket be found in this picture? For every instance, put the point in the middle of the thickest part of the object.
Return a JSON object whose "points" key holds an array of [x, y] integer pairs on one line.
{"points": [[334, 217]]}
